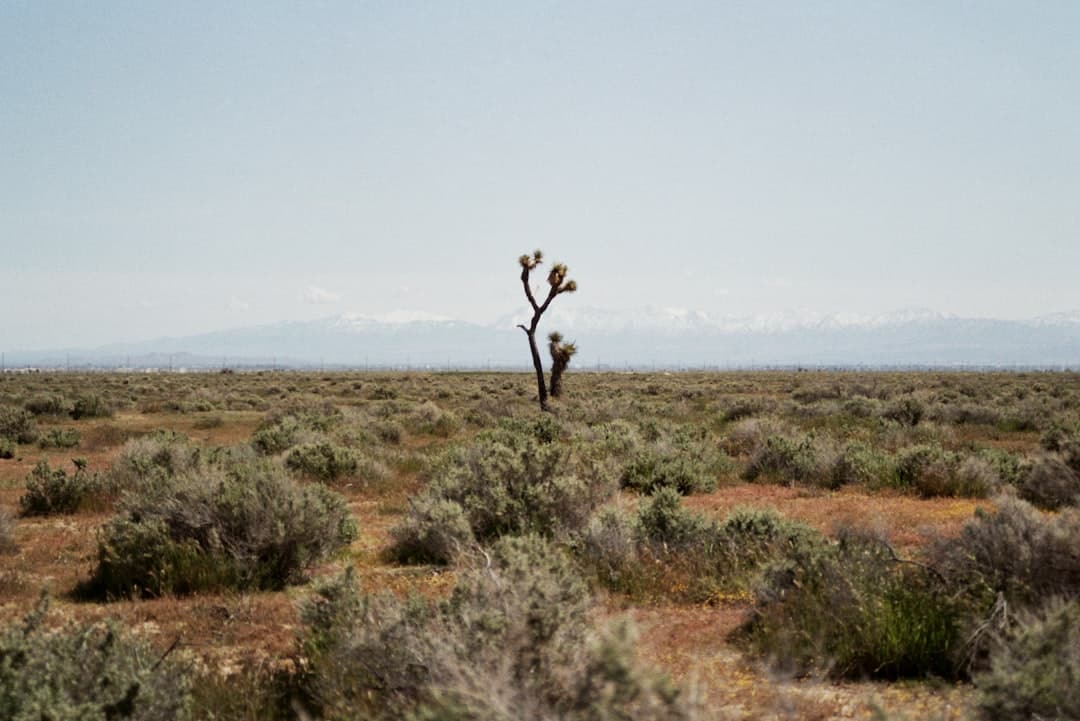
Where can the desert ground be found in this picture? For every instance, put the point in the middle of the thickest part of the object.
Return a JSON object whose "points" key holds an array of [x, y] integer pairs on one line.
{"points": [[907, 459]]}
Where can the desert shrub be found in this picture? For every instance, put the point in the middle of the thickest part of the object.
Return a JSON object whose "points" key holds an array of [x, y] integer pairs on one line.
{"points": [[91, 672], [860, 407], [669, 551], [388, 432], [323, 461], [17, 424], [52, 404], [207, 422], [283, 429], [249, 527], [931, 471], [154, 459], [814, 393], [7, 448], [91, 406], [681, 457], [859, 463], [509, 481], [276, 437], [742, 408], [429, 419], [793, 459], [1015, 551], [850, 610], [60, 438], [1049, 483], [50, 491], [1034, 670], [513, 641], [907, 411]]}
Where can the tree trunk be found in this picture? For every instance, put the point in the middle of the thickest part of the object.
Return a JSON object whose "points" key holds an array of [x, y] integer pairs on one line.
{"points": [[541, 387]]}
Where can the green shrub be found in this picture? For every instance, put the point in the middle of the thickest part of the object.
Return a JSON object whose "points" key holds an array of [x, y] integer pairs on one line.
{"points": [[91, 406], [858, 463], [680, 457], [60, 438], [507, 482], [93, 672], [323, 461], [53, 404], [1034, 670], [513, 641], [907, 411], [1049, 483], [850, 610], [790, 459], [154, 459], [1016, 551], [17, 424], [932, 471], [276, 437], [50, 491], [249, 527], [7, 448]]}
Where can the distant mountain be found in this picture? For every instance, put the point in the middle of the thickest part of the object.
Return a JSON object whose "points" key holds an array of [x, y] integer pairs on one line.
{"points": [[643, 337]]}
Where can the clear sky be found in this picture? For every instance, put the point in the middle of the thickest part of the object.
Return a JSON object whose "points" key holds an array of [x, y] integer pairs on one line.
{"points": [[175, 167]]}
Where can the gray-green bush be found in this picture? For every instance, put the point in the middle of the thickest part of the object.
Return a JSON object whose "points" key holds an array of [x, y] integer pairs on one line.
{"points": [[849, 609], [1034, 668], [509, 481], [53, 490], [91, 672], [324, 461], [251, 526], [513, 641], [17, 424]]}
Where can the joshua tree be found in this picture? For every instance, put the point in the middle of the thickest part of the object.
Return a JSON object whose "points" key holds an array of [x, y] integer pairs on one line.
{"points": [[561, 353], [557, 283]]}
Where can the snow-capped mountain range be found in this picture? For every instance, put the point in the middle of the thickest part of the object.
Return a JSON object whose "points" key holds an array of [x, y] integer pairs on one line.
{"points": [[642, 337]]}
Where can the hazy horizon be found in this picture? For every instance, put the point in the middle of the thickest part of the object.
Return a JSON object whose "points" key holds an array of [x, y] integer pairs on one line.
{"points": [[175, 170]]}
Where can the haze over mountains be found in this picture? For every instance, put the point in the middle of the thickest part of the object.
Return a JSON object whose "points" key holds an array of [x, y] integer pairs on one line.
{"points": [[641, 338]]}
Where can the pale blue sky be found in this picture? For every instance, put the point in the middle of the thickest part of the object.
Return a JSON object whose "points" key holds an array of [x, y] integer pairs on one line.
{"points": [[169, 168]]}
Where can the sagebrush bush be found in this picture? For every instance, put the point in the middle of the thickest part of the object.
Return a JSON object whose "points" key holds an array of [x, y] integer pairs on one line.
{"points": [[7, 448], [508, 481], [1034, 668], [54, 490], [52, 404], [324, 461], [683, 457], [91, 672], [907, 411], [669, 551], [60, 438], [791, 459], [858, 463], [153, 459], [249, 527], [17, 424], [1016, 551], [932, 471], [513, 641], [283, 429], [849, 609], [91, 406], [1049, 483]]}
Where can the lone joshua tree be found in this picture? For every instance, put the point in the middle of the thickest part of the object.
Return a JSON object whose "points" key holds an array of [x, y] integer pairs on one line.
{"points": [[557, 283]]}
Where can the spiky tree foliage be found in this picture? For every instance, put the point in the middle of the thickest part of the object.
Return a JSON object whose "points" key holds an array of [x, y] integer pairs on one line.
{"points": [[561, 353], [557, 284]]}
